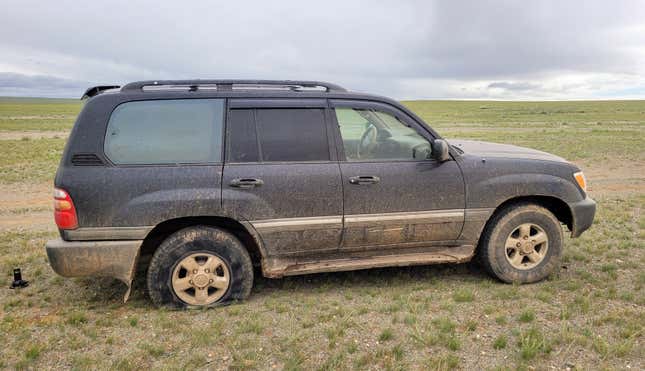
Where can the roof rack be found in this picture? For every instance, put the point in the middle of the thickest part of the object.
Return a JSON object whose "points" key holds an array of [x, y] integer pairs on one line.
{"points": [[194, 85]]}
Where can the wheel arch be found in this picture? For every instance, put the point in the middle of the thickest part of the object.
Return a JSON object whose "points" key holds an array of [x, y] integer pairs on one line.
{"points": [[241, 230], [556, 206]]}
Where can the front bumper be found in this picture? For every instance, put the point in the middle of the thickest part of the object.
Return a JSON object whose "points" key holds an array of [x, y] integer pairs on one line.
{"points": [[583, 213], [115, 259]]}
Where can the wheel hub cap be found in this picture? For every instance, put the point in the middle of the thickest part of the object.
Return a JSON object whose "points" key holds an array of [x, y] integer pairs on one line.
{"points": [[526, 246], [200, 279]]}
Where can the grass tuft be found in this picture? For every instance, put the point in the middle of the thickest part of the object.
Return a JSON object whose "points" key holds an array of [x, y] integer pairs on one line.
{"points": [[463, 295], [532, 343], [500, 342], [386, 335], [76, 319], [527, 316], [443, 363]]}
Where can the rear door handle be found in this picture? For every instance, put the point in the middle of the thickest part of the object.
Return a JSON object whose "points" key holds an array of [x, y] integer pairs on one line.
{"points": [[364, 180], [246, 183]]}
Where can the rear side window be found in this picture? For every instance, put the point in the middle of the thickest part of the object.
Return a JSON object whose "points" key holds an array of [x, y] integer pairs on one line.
{"points": [[277, 134], [166, 132], [242, 136]]}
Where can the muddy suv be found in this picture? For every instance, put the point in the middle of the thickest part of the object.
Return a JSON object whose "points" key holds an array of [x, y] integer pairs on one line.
{"points": [[196, 182]]}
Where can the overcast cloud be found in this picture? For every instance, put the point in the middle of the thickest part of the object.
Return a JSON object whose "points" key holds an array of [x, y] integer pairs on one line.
{"points": [[404, 49]]}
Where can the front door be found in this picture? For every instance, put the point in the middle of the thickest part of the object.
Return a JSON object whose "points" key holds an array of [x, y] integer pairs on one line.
{"points": [[395, 195], [281, 175]]}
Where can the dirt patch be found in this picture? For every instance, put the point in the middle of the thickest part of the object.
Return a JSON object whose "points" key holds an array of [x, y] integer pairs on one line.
{"points": [[26, 206], [43, 117], [17, 135], [34, 221], [615, 176], [24, 196]]}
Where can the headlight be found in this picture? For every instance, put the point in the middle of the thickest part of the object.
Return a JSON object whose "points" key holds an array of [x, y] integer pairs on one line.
{"points": [[582, 181]]}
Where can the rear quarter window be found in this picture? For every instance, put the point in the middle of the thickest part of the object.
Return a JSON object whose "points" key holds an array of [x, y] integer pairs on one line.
{"points": [[166, 132]]}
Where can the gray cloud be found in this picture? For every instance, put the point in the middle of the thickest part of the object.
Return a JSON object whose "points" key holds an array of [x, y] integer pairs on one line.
{"points": [[16, 80], [517, 86], [39, 85], [407, 49]]}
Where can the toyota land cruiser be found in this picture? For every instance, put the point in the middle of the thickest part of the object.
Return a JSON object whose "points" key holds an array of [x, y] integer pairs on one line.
{"points": [[200, 180]]}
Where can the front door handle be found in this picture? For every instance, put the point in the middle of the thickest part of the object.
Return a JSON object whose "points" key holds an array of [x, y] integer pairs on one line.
{"points": [[364, 180], [246, 183]]}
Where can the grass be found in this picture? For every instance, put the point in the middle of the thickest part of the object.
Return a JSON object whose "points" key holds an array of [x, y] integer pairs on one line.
{"points": [[590, 314], [29, 161], [527, 316], [386, 335], [531, 343], [440, 363], [34, 114], [500, 342], [573, 130], [76, 319], [463, 295]]}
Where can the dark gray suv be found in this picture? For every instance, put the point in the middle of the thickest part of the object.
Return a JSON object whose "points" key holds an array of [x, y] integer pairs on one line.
{"points": [[197, 181]]}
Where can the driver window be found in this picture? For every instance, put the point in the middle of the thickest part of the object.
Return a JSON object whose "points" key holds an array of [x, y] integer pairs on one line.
{"points": [[370, 135]]}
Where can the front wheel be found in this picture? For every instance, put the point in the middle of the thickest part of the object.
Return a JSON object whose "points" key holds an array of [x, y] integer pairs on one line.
{"points": [[200, 267], [522, 243]]}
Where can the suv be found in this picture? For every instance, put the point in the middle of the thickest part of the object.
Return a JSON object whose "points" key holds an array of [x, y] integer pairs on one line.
{"points": [[198, 181]]}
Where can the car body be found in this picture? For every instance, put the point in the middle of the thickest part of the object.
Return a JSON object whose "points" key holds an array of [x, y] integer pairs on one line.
{"points": [[306, 176]]}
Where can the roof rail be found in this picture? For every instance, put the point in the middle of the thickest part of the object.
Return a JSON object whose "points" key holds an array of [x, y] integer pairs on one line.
{"points": [[96, 90], [193, 85]]}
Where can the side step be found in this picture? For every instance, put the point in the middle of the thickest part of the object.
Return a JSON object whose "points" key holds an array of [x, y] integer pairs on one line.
{"points": [[279, 267]]}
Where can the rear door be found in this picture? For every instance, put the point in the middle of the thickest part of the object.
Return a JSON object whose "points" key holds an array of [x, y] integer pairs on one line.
{"points": [[395, 195], [281, 174]]}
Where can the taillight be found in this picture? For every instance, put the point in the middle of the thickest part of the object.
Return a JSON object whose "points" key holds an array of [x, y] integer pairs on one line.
{"points": [[64, 210]]}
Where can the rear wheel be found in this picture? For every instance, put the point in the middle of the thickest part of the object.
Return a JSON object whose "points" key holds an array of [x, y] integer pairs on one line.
{"points": [[200, 267], [522, 243]]}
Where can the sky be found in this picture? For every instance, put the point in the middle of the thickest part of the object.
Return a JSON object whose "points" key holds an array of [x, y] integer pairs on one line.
{"points": [[506, 50]]}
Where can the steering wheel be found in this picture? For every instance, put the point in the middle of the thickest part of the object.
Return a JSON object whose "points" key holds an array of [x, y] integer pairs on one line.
{"points": [[368, 142]]}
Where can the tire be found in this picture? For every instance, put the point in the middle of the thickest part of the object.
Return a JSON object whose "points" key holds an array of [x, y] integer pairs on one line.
{"points": [[505, 252], [199, 267]]}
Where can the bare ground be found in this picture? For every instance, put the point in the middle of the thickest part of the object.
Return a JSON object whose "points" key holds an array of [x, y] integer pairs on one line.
{"points": [[615, 176], [27, 207], [29, 135]]}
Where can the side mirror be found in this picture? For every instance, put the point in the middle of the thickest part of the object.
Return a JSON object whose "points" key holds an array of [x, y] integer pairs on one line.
{"points": [[440, 150]]}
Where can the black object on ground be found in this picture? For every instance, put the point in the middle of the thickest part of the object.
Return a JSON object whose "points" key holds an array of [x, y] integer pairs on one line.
{"points": [[18, 282]]}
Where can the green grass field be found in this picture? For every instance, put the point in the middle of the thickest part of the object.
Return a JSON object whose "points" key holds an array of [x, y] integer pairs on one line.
{"points": [[590, 315]]}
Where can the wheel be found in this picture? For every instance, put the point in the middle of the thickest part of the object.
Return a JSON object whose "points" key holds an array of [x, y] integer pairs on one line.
{"points": [[522, 243], [200, 267]]}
